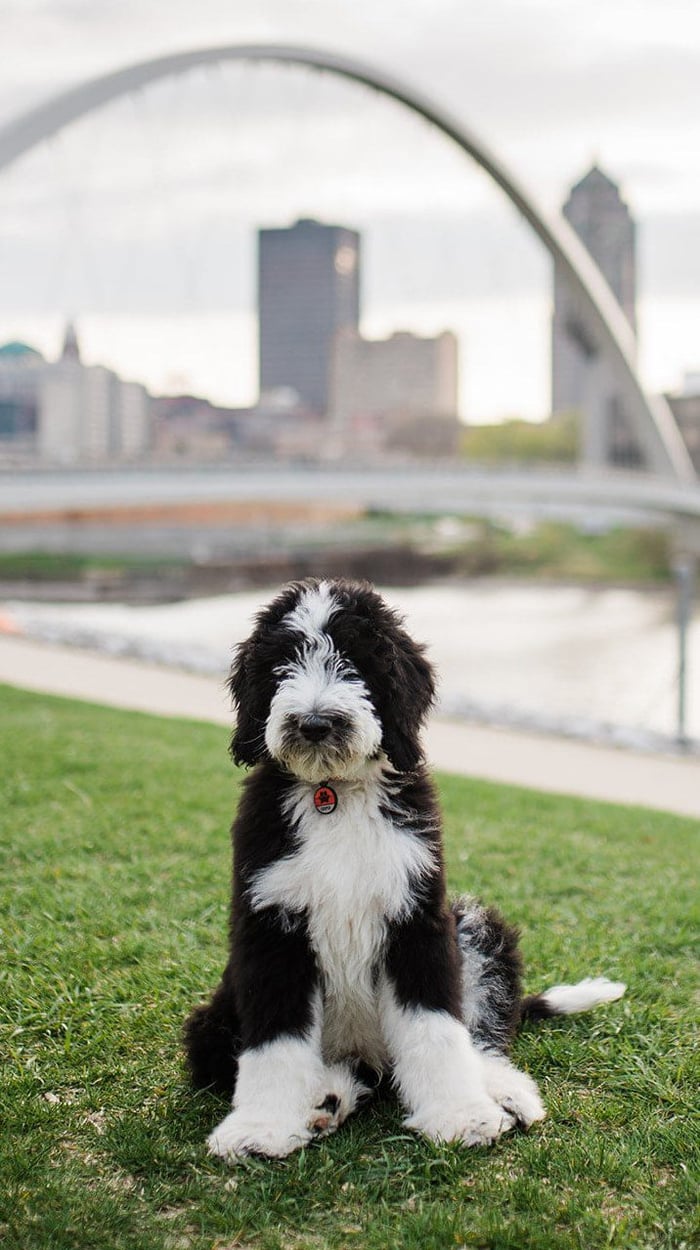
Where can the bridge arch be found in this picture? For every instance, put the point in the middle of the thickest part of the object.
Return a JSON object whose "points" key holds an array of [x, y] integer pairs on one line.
{"points": [[653, 421]]}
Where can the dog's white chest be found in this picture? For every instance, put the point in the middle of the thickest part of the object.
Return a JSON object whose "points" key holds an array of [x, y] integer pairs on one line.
{"points": [[353, 872]]}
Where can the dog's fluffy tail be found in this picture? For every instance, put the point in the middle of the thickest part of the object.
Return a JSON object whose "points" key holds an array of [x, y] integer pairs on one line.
{"points": [[568, 1000]]}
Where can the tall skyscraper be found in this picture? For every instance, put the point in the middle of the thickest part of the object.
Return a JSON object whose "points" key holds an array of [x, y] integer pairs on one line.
{"points": [[308, 291], [580, 382]]}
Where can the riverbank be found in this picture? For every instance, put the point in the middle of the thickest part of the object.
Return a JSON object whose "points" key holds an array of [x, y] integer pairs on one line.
{"points": [[596, 664], [534, 761], [160, 554]]}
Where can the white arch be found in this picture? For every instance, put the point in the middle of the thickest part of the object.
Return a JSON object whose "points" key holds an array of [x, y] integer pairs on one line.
{"points": [[655, 426]]}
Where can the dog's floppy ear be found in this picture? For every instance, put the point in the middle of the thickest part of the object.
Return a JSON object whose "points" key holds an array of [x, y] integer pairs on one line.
{"points": [[409, 696], [251, 681], [396, 669], [248, 740]]}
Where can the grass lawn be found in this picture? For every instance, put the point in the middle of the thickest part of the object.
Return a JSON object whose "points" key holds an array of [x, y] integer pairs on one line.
{"points": [[114, 881]]}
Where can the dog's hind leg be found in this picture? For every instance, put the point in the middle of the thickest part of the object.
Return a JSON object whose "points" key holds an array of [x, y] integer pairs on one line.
{"points": [[512, 1089], [491, 966], [491, 1003], [491, 969], [212, 1043], [493, 1006]]}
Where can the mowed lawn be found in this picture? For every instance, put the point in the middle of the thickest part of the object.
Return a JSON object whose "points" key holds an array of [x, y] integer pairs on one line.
{"points": [[115, 875]]}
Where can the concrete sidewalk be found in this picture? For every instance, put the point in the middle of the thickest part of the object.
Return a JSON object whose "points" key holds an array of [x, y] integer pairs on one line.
{"points": [[539, 762]]}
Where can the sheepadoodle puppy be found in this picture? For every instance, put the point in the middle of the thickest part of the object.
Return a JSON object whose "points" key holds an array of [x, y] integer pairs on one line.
{"points": [[347, 962]]}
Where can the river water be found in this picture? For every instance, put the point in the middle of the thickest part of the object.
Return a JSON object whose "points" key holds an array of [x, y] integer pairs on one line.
{"points": [[588, 662]]}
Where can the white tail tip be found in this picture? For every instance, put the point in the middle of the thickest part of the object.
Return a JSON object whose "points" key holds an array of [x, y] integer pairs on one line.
{"points": [[566, 1000]]}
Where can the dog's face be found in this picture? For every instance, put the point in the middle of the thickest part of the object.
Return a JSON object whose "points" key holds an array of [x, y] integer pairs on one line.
{"points": [[328, 680]]}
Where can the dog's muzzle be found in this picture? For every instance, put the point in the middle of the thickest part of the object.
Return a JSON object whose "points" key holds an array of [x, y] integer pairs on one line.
{"points": [[322, 722], [315, 743]]}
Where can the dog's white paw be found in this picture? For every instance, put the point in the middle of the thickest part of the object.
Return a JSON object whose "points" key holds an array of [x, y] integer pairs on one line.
{"points": [[326, 1117], [344, 1092], [241, 1134], [513, 1089], [478, 1123]]}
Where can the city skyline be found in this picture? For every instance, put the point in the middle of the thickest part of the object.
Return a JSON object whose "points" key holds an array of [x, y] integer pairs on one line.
{"points": [[415, 201]]}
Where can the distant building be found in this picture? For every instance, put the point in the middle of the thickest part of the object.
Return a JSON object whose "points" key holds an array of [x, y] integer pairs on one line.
{"points": [[580, 382], [395, 394], [187, 427], [21, 371], [88, 414], [308, 292], [67, 412]]}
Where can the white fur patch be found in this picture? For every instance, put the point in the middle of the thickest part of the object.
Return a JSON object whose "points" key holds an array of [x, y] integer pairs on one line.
{"points": [[275, 1091], [440, 1076], [567, 1000], [476, 992], [280, 1092], [313, 611], [512, 1089], [354, 870]]}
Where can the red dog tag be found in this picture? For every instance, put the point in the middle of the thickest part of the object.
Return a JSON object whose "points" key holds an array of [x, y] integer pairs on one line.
{"points": [[325, 800]]}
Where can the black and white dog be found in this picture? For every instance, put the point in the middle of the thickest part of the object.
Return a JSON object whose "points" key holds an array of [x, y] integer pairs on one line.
{"points": [[346, 958]]}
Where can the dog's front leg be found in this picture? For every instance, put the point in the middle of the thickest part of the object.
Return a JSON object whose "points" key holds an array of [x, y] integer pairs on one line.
{"points": [[278, 1084], [285, 1095], [437, 1070]]}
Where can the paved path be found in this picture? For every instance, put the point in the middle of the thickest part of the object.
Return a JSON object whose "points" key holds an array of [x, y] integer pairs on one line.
{"points": [[540, 762]]}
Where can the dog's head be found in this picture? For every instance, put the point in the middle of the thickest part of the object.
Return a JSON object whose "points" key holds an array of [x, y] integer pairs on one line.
{"points": [[329, 679]]}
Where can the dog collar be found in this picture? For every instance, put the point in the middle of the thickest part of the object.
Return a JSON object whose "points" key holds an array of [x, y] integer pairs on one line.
{"points": [[325, 799]]}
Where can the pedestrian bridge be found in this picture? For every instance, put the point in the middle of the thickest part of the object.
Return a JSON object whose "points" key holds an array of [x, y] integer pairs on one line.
{"points": [[427, 489]]}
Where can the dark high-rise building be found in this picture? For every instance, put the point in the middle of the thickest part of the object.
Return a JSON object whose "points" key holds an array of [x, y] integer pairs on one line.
{"points": [[308, 291], [602, 220]]}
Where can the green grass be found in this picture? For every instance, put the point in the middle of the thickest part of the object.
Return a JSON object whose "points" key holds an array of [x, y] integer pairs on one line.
{"points": [[114, 899], [554, 550], [515, 441], [48, 566], [548, 550], [557, 550]]}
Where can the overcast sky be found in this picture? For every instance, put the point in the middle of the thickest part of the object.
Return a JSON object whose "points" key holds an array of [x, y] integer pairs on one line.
{"points": [[140, 220]]}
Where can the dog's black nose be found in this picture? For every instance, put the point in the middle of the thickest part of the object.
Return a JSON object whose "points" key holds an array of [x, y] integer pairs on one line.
{"points": [[315, 727]]}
